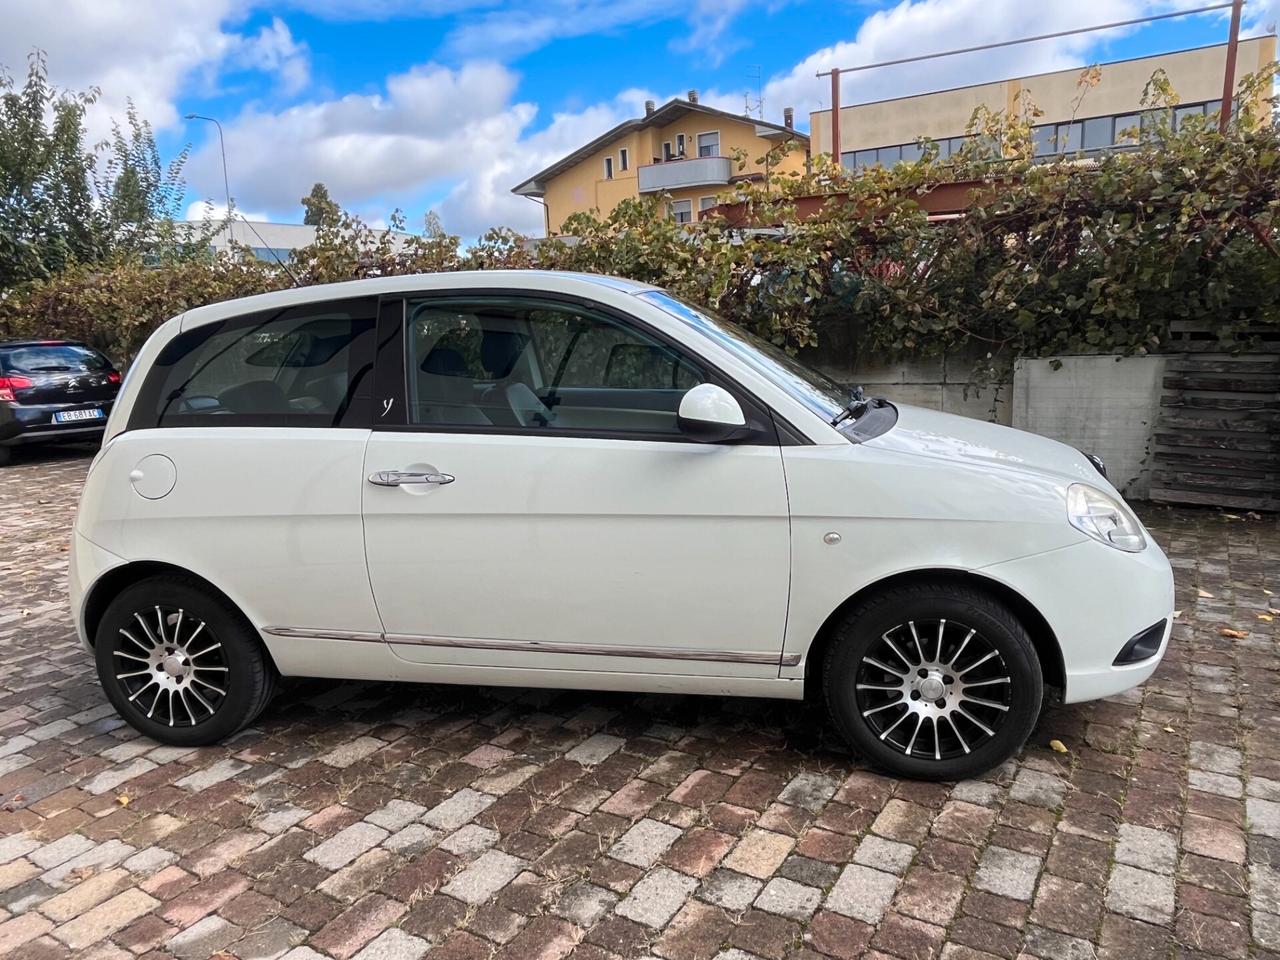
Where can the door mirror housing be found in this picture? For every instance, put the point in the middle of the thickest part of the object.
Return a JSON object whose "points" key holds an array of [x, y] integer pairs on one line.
{"points": [[710, 414]]}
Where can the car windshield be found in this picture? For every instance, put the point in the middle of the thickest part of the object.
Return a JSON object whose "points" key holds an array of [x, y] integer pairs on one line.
{"points": [[817, 391], [52, 358]]}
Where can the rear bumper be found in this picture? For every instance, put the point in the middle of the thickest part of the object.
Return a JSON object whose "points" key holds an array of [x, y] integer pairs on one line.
{"points": [[33, 423], [1095, 599]]}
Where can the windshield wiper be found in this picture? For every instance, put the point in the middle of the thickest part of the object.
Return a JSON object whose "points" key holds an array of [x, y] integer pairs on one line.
{"points": [[857, 404]]}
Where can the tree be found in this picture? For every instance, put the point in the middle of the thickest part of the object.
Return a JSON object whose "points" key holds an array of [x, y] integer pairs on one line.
{"points": [[62, 202], [321, 209], [47, 214]]}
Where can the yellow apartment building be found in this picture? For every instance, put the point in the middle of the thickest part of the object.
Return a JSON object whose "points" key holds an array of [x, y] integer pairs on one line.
{"points": [[886, 132], [683, 149]]}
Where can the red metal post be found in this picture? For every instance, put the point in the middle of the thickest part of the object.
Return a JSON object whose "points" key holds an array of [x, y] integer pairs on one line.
{"points": [[1229, 77], [835, 116]]}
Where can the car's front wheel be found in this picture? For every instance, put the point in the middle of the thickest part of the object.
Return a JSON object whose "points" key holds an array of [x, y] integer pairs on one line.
{"points": [[180, 663], [934, 681]]}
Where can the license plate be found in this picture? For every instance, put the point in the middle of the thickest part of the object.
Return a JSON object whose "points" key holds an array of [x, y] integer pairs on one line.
{"points": [[67, 416]]}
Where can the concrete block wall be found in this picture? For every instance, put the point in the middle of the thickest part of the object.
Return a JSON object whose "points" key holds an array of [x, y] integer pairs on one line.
{"points": [[1105, 405]]}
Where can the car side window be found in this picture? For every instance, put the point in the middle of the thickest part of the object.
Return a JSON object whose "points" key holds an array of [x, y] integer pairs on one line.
{"points": [[307, 366], [540, 366]]}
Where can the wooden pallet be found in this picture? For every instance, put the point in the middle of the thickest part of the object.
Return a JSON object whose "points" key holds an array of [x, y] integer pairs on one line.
{"points": [[1217, 440]]}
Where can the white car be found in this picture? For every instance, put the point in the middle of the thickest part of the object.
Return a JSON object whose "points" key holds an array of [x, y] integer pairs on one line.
{"points": [[558, 480]]}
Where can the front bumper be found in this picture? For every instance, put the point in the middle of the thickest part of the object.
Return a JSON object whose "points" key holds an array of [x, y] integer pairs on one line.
{"points": [[1095, 598], [33, 422]]}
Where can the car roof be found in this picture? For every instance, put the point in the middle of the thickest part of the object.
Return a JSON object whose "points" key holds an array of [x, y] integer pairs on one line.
{"points": [[550, 281], [47, 342]]}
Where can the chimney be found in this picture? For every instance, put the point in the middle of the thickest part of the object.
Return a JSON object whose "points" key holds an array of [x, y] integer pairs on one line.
{"points": [[693, 96], [649, 107], [789, 117]]}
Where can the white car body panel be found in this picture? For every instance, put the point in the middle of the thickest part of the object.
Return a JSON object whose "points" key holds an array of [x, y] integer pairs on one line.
{"points": [[604, 547]]}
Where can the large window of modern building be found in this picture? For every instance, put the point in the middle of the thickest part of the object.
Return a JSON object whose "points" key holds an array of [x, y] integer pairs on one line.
{"points": [[1086, 136], [682, 210]]}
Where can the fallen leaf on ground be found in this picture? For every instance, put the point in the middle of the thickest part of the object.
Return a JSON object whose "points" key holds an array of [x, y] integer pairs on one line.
{"points": [[1204, 594], [1057, 746], [123, 799], [82, 873], [1267, 592], [1266, 616], [1168, 729], [1177, 614], [1234, 634]]}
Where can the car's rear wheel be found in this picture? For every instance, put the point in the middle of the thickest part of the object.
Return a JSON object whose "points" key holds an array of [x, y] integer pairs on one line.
{"points": [[6, 454], [933, 681], [180, 663]]}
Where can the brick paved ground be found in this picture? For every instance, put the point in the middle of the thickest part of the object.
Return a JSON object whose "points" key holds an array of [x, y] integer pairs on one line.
{"points": [[383, 821]]}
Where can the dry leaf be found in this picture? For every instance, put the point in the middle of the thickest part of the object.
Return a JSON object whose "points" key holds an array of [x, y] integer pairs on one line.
{"points": [[1266, 616], [1204, 594], [1232, 516], [123, 799], [1057, 746], [82, 873], [1168, 730], [1267, 592], [1177, 614], [1234, 634]]}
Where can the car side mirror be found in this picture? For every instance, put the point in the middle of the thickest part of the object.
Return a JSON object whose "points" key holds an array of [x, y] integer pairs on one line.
{"points": [[710, 414]]}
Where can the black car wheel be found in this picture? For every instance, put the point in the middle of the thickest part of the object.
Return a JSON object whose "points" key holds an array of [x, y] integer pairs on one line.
{"points": [[933, 681], [180, 663]]}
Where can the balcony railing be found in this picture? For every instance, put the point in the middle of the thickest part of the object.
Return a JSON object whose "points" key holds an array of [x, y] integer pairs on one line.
{"points": [[693, 172]]}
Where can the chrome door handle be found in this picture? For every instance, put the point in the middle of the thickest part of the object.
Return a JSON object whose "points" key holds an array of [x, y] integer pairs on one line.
{"points": [[396, 478]]}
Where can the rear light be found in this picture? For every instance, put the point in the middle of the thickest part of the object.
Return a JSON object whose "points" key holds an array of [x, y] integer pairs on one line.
{"points": [[113, 377], [9, 384]]}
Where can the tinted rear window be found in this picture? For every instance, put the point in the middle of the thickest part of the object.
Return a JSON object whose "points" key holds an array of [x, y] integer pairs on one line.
{"points": [[307, 366], [52, 358]]}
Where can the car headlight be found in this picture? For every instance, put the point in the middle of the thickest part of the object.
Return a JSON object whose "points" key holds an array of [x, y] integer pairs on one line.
{"points": [[1093, 512]]}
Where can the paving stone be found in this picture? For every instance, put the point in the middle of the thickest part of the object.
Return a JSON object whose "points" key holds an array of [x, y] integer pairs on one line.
{"points": [[595, 749], [882, 854], [733, 891], [1038, 789], [105, 919], [809, 790], [213, 775], [394, 945], [203, 939], [1149, 849], [862, 893], [584, 904], [759, 853], [270, 941], [458, 809], [655, 899], [1140, 894], [789, 899], [396, 815], [1264, 816], [353, 750], [281, 819], [644, 843], [1008, 873], [492, 871], [412, 840], [346, 845], [470, 840]]}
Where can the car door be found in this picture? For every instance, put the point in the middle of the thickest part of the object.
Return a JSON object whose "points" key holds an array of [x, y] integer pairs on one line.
{"points": [[553, 516]]}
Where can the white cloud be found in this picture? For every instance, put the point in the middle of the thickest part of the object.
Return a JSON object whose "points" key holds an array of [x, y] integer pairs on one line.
{"points": [[916, 27], [274, 50]]}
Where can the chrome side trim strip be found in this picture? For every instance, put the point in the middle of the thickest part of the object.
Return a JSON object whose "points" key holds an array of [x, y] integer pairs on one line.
{"points": [[323, 634], [534, 646]]}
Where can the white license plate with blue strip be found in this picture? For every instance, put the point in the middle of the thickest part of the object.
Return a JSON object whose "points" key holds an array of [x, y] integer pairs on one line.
{"points": [[70, 416]]}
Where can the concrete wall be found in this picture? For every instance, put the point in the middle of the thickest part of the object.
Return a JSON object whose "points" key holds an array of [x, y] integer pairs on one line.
{"points": [[1105, 405]]}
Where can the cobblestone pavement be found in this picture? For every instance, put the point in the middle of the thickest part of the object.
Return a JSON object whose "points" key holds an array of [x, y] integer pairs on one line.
{"points": [[387, 821]]}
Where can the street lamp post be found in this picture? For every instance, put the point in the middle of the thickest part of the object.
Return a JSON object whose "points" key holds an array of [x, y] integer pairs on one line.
{"points": [[226, 188]]}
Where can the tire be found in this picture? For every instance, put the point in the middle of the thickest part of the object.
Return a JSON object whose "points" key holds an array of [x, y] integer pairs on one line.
{"points": [[217, 680], [6, 455], [969, 646]]}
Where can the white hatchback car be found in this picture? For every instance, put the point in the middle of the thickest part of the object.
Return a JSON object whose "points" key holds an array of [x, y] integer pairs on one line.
{"points": [[560, 480]]}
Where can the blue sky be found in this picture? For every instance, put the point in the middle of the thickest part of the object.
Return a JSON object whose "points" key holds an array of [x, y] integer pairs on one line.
{"points": [[446, 104]]}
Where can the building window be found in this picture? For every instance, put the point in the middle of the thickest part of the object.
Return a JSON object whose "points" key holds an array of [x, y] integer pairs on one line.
{"points": [[272, 254], [680, 146], [608, 168], [624, 161], [682, 210], [709, 144], [706, 203]]}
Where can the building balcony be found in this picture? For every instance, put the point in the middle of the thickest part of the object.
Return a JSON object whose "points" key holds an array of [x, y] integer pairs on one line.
{"points": [[692, 172]]}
